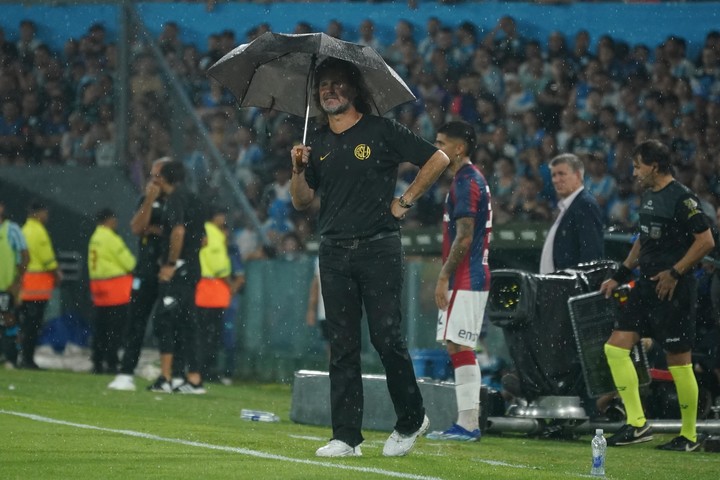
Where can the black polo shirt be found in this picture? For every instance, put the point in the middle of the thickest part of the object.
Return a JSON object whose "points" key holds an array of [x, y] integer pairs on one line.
{"points": [[669, 219], [355, 173], [183, 207], [149, 246]]}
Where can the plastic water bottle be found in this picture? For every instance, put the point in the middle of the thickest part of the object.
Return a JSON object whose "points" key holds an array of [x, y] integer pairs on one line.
{"points": [[258, 416], [599, 445]]}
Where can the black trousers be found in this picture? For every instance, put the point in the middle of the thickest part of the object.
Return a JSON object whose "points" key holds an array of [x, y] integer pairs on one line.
{"points": [[175, 325], [32, 314], [8, 338], [107, 337], [141, 305], [210, 324], [369, 275]]}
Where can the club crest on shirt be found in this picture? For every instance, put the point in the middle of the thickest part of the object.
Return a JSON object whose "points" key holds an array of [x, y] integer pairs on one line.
{"points": [[692, 207], [362, 152], [655, 231]]}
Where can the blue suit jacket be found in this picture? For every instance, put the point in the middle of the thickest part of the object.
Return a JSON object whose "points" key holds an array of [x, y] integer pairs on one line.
{"points": [[579, 237]]}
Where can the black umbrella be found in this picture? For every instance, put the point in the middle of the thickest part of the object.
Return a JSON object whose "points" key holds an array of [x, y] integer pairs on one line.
{"points": [[275, 71]]}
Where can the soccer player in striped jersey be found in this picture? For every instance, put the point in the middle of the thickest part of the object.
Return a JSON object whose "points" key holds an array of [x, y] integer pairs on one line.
{"points": [[464, 280]]}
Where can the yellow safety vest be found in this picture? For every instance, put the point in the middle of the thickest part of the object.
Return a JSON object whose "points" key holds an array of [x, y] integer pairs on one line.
{"points": [[110, 264], [8, 263], [108, 255], [39, 279], [212, 290]]}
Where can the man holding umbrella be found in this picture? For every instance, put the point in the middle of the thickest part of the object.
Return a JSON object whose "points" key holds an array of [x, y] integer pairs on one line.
{"points": [[352, 164]]}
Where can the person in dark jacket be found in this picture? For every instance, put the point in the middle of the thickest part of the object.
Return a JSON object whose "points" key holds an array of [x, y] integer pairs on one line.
{"points": [[576, 236]]}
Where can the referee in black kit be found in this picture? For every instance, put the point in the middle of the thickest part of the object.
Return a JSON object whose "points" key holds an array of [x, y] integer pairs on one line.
{"points": [[674, 236], [352, 164]]}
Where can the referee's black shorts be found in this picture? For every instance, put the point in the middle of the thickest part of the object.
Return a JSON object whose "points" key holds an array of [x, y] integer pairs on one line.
{"points": [[670, 322]]}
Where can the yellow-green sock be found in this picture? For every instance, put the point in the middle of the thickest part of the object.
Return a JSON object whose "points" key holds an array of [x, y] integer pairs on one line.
{"points": [[626, 382], [687, 392]]}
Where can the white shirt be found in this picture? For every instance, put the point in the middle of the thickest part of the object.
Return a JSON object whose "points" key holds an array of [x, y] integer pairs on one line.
{"points": [[547, 262]]}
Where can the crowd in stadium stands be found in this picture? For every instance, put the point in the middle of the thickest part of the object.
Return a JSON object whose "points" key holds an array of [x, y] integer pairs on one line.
{"points": [[529, 99]]}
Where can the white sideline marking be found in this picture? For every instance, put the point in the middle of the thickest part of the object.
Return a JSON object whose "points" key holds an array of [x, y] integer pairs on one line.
{"points": [[307, 437], [242, 451], [497, 463]]}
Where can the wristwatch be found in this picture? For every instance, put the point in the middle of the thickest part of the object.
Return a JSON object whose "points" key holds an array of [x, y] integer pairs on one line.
{"points": [[674, 273], [403, 203]]}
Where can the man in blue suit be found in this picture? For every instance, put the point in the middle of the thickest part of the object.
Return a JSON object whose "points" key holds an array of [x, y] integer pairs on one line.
{"points": [[576, 236]]}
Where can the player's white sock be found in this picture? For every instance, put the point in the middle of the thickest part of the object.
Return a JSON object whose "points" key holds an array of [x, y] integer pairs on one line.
{"points": [[467, 388]]}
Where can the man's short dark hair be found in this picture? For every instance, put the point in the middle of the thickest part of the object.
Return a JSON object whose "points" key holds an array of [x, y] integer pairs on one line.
{"points": [[216, 209], [654, 151], [461, 131], [173, 172], [468, 27], [304, 26], [354, 77], [103, 215], [36, 206]]}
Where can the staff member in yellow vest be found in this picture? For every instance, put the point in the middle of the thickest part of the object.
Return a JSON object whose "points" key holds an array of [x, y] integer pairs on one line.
{"points": [[13, 262], [38, 281], [110, 265], [214, 292]]}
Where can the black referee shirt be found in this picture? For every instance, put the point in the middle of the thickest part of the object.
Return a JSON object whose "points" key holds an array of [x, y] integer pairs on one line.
{"points": [[669, 219], [355, 173]]}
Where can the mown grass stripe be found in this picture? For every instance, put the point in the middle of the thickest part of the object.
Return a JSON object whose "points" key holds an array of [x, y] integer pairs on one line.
{"points": [[242, 451]]}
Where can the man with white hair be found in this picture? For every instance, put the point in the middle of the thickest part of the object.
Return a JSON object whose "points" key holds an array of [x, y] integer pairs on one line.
{"points": [[576, 236]]}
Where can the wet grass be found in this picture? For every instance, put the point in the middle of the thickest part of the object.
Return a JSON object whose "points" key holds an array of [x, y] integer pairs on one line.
{"points": [[141, 435]]}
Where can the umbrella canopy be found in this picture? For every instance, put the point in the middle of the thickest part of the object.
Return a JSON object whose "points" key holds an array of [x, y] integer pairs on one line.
{"points": [[275, 71]]}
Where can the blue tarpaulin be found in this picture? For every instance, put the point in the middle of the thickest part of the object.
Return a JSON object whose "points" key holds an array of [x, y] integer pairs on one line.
{"points": [[67, 328]]}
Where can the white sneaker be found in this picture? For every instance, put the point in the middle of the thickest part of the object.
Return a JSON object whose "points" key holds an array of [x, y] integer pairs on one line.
{"points": [[190, 389], [398, 445], [122, 382], [176, 382], [338, 448], [161, 385]]}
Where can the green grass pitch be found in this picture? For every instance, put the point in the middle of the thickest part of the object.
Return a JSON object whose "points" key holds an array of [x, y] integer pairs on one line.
{"points": [[61, 425]]}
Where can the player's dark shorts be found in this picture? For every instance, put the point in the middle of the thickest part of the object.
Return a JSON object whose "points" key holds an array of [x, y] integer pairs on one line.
{"points": [[670, 322]]}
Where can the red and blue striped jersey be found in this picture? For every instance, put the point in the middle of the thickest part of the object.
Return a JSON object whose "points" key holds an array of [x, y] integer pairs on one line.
{"points": [[469, 196]]}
